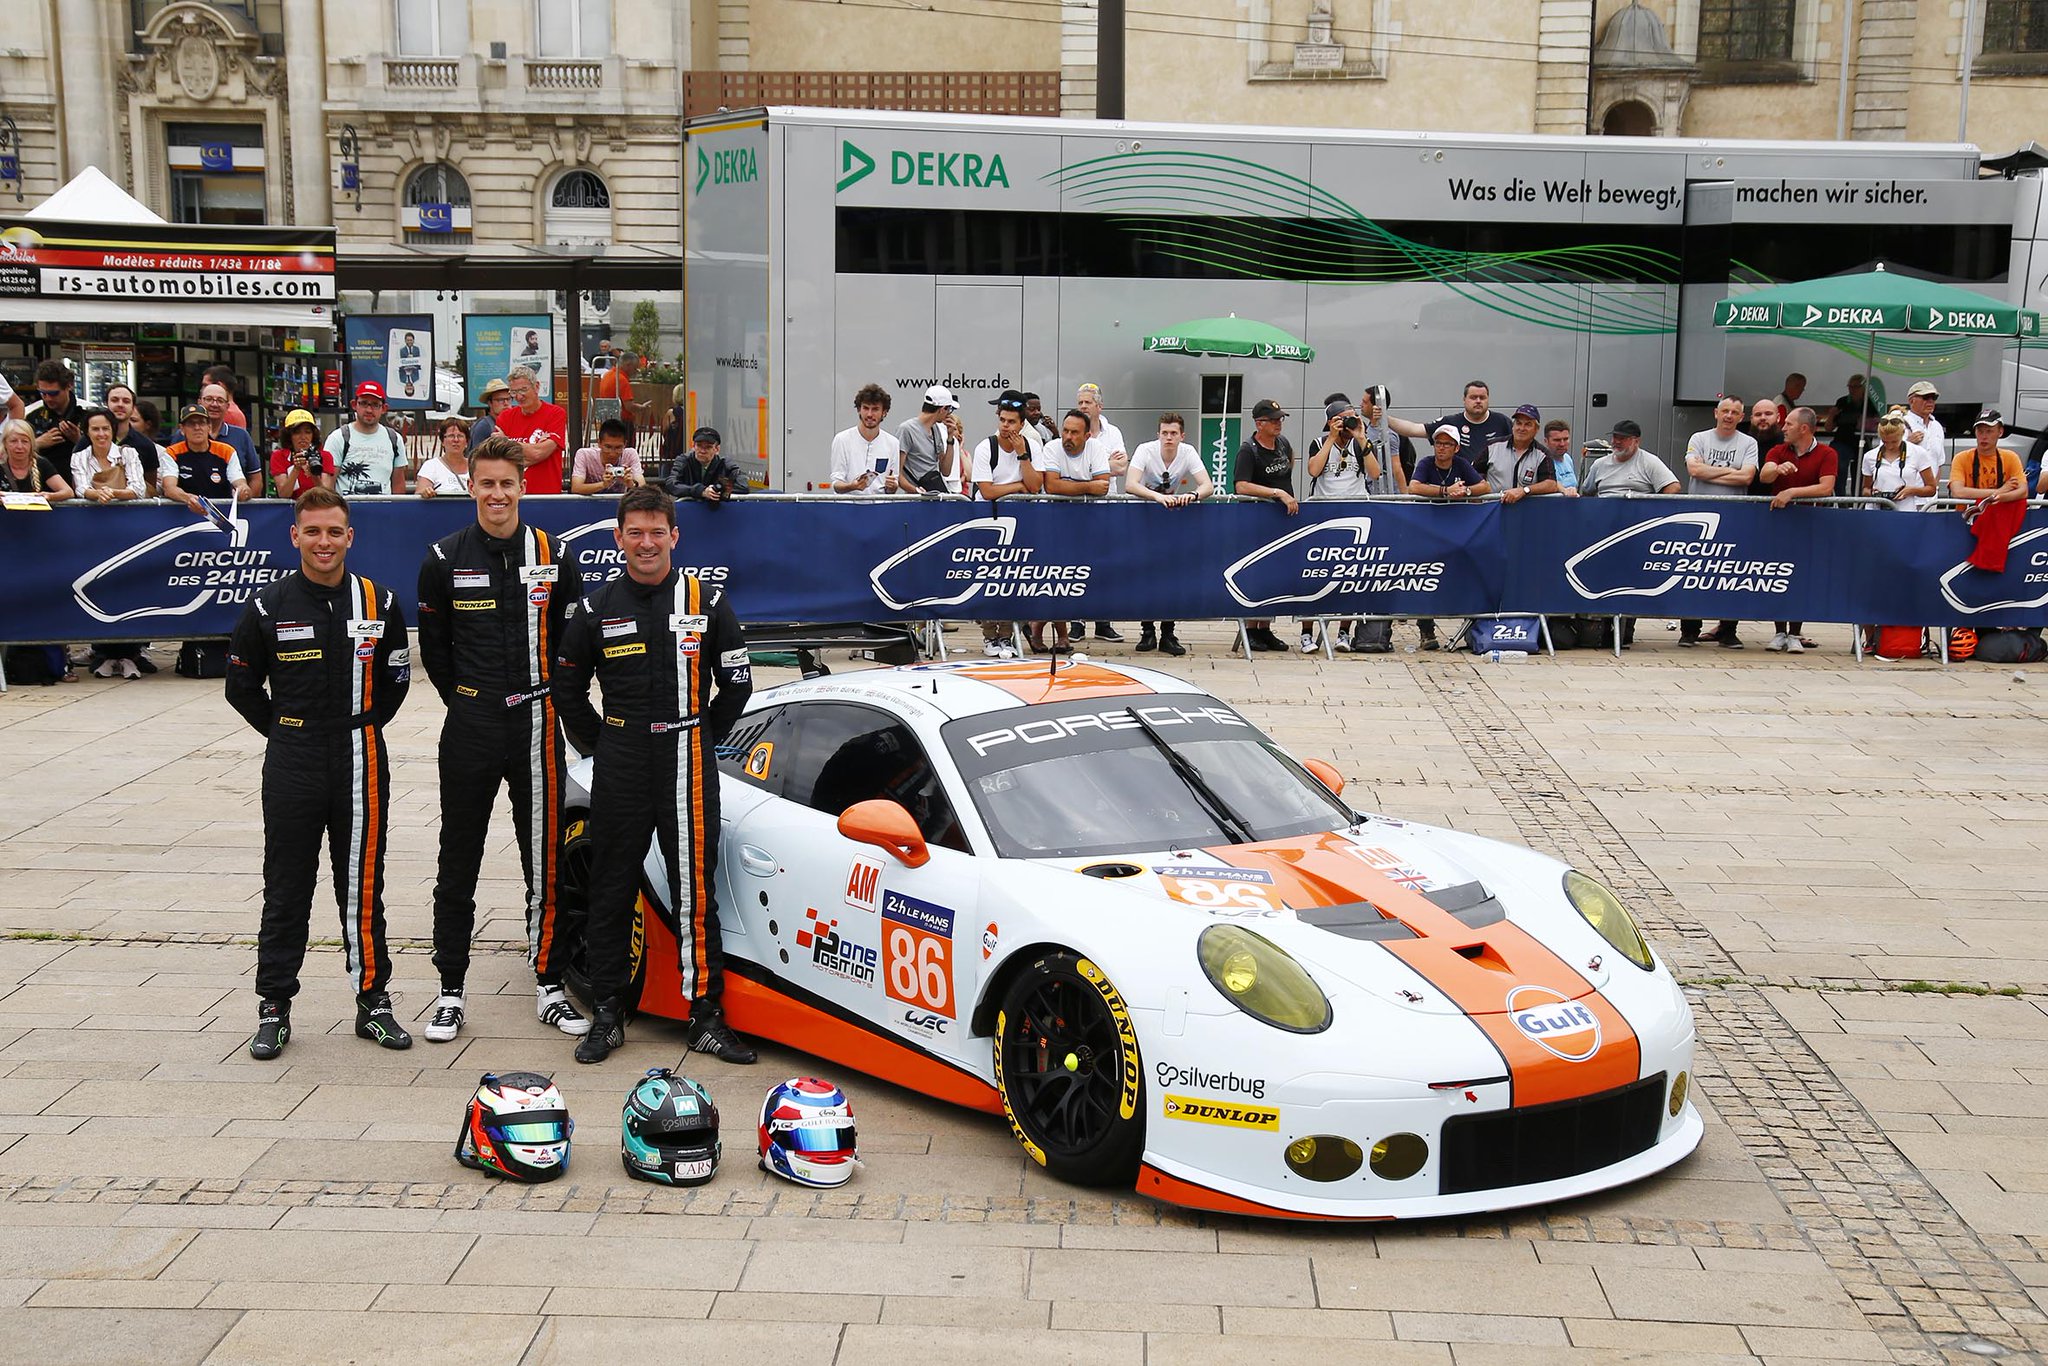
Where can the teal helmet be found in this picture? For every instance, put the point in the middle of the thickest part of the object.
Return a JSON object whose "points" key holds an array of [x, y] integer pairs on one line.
{"points": [[669, 1131]]}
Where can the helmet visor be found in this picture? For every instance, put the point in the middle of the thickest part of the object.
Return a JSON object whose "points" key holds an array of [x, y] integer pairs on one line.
{"points": [[547, 1131], [824, 1137]]}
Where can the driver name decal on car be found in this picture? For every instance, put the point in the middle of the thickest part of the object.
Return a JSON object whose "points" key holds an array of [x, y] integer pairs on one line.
{"points": [[1230, 1116], [917, 953]]}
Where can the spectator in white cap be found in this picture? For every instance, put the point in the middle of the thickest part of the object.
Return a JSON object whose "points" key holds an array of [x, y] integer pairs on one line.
{"points": [[930, 445], [1923, 429], [1449, 476]]}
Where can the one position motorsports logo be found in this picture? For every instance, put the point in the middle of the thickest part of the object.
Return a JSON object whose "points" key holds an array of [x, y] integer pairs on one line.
{"points": [[1336, 556], [177, 572], [971, 560], [1681, 551]]}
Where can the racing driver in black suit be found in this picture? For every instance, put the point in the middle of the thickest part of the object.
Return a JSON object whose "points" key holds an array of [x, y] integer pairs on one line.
{"points": [[331, 646], [657, 640], [492, 601]]}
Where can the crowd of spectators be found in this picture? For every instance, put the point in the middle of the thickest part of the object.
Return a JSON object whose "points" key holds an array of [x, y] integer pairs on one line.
{"points": [[1778, 449]]}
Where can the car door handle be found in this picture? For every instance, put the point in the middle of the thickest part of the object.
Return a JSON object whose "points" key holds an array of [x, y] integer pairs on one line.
{"points": [[759, 862]]}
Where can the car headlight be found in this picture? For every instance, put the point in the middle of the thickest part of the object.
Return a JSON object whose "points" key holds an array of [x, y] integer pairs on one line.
{"points": [[1258, 977], [1604, 912]]}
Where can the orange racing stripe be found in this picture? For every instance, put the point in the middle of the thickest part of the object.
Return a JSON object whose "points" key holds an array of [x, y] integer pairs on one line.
{"points": [[1318, 870], [1031, 681]]}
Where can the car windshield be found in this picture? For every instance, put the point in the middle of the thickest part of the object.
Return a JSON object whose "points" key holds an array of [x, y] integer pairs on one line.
{"points": [[1078, 779]]}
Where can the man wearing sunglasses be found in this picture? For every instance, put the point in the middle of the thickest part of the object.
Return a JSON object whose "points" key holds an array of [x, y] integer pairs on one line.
{"points": [[60, 422]]}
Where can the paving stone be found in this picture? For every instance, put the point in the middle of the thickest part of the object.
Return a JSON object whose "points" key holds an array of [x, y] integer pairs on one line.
{"points": [[1063, 1274], [1344, 1281], [888, 1344], [653, 1263], [95, 1336], [1510, 1328], [1739, 1297], [397, 1258], [324, 1338], [91, 1253], [880, 1269], [573, 1340]]}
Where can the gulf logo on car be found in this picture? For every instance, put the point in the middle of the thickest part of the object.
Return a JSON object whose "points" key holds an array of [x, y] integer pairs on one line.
{"points": [[1555, 1023]]}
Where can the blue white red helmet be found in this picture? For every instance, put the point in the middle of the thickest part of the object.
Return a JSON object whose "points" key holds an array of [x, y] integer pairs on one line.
{"points": [[807, 1133], [516, 1125]]}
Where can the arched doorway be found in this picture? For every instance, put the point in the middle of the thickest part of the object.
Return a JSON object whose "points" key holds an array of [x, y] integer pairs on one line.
{"points": [[1629, 119]]}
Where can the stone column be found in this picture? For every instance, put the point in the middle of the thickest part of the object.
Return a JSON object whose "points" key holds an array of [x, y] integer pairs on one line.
{"points": [[1884, 59], [1564, 52], [305, 73], [1077, 60], [88, 48]]}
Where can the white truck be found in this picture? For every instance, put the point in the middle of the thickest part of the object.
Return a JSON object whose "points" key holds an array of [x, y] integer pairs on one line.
{"points": [[826, 248]]}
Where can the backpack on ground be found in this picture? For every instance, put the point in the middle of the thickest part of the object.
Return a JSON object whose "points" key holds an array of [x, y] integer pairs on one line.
{"points": [[202, 659]]}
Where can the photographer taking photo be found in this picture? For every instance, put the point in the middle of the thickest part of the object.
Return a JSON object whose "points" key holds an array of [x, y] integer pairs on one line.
{"points": [[703, 474]]}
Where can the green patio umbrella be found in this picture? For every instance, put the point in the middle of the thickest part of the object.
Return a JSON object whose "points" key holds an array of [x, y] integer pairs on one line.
{"points": [[1874, 301], [1231, 336]]}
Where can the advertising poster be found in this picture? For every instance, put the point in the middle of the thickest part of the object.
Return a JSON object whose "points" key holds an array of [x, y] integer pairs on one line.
{"points": [[395, 350], [492, 343]]}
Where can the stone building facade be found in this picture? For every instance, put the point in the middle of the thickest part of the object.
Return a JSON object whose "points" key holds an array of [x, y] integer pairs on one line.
{"points": [[551, 121]]}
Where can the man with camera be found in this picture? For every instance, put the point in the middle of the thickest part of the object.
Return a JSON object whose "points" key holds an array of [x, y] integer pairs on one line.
{"points": [[703, 475], [930, 443], [609, 466], [1342, 465]]}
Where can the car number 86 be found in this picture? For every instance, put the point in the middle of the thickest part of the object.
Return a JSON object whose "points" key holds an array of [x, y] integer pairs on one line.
{"points": [[919, 968], [1222, 895]]}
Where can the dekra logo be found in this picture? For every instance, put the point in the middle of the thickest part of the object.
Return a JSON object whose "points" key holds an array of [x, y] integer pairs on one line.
{"points": [[948, 170], [733, 166]]}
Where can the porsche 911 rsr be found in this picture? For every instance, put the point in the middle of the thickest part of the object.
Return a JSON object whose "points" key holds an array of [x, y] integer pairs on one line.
{"points": [[1097, 901]]}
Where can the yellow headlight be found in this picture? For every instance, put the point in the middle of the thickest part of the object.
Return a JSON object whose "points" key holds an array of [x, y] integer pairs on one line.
{"points": [[1301, 1152], [1240, 973], [1258, 977], [1604, 912]]}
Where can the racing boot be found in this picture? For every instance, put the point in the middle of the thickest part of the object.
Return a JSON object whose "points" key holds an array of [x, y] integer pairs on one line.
{"points": [[374, 1020], [607, 1032], [273, 1030], [709, 1033]]}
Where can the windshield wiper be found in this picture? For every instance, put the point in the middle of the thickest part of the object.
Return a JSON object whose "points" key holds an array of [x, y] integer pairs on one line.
{"points": [[1233, 824]]}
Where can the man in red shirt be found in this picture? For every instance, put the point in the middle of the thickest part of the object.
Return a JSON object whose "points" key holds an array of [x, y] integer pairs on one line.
{"points": [[541, 429], [1797, 467]]}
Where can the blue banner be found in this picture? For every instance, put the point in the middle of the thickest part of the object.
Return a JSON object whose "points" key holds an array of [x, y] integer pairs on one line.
{"points": [[153, 571]]}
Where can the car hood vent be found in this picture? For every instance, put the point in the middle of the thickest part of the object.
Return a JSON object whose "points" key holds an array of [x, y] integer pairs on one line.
{"points": [[1470, 902], [1357, 920]]}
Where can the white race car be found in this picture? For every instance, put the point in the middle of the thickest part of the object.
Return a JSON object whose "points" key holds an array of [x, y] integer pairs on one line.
{"points": [[1099, 902]]}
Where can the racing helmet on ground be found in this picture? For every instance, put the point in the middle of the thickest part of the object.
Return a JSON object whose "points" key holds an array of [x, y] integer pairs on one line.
{"points": [[807, 1133], [669, 1131], [517, 1125]]}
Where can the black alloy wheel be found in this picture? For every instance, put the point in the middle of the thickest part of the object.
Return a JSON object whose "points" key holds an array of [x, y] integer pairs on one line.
{"points": [[1068, 1071]]}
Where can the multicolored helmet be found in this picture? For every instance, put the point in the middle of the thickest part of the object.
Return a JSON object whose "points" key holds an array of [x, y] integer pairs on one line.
{"points": [[518, 1126], [669, 1131], [807, 1133]]}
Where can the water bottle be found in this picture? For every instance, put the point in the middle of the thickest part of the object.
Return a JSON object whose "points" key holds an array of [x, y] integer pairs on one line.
{"points": [[1508, 656]]}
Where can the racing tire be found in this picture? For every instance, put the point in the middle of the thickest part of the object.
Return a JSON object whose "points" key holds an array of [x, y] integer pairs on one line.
{"points": [[572, 915], [1068, 1071]]}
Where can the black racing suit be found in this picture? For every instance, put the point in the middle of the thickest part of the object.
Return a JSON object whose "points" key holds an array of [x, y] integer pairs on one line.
{"points": [[337, 665], [656, 649], [491, 612]]}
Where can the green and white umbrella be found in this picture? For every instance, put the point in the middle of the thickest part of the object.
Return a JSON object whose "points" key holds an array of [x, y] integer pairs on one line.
{"points": [[1875, 301], [1231, 336]]}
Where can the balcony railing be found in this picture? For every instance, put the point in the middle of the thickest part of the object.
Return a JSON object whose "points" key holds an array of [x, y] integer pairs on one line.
{"points": [[422, 73], [554, 75]]}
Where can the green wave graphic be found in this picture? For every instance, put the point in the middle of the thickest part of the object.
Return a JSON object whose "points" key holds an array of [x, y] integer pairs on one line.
{"points": [[1253, 211], [1329, 240]]}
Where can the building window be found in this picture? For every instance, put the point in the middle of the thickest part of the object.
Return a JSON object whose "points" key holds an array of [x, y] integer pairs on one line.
{"points": [[432, 28], [217, 172], [1739, 32], [577, 29], [2015, 28], [579, 210], [435, 210]]}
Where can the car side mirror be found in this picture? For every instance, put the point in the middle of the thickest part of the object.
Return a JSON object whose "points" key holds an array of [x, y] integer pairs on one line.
{"points": [[1326, 775], [886, 824]]}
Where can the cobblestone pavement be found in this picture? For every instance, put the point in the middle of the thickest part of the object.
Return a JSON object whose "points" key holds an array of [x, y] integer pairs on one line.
{"points": [[1805, 840]]}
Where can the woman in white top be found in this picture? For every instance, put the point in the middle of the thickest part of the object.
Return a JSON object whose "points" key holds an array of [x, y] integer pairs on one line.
{"points": [[448, 472], [103, 472], [1898, 471]]}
